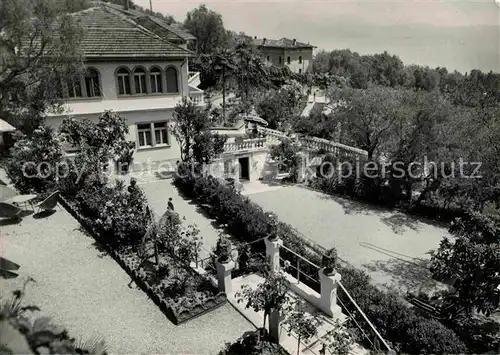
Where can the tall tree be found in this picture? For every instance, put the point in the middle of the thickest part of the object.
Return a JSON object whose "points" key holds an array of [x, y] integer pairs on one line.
{"points": [[223, 65], [208, 28], [369, 116], [472, 261], [39, 45], [250, 69], [190, 128]]}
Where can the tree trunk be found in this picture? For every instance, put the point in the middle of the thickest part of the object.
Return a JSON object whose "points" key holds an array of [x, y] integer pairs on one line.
{"points": [[223, 96], [157, 257], [298, 345]]}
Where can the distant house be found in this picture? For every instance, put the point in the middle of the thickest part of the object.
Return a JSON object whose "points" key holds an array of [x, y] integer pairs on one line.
{"points": [[297, 56], [134, 65]]}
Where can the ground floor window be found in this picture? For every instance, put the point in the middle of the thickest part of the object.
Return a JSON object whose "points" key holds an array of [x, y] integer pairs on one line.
{"points": [[152, 134]]}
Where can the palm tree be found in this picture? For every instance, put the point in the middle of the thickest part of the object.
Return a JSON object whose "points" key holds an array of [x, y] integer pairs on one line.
{"points": [[223, 64], [251, 71]]}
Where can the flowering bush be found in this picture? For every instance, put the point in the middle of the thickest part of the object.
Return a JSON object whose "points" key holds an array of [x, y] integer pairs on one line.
{"points": [[34, 160], [119, 216], [105, 139]]}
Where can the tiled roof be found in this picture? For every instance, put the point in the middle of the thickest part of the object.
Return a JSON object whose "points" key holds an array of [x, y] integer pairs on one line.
{"points": [[110, 34], [280, 43], [176, 30]]}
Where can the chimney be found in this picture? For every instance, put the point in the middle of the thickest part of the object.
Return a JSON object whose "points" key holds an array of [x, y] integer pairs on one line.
{"points": [[294, 42], [125, 4], [264, 40]]}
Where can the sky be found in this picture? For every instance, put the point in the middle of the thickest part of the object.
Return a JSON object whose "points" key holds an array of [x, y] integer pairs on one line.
{"points": [[460, 35]]}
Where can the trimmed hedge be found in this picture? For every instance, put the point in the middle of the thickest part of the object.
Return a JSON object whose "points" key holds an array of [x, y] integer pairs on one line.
{"points": [[401, 325]]}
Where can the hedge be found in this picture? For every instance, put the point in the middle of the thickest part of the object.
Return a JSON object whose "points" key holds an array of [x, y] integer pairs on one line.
{"points": [[408, 331]]}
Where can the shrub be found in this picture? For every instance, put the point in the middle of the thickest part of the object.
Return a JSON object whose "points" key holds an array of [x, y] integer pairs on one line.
{"points": [[119, 216], [34, 160], [392, 318]]}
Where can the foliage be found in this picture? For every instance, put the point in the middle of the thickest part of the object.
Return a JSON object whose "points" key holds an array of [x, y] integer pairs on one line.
{"points": [[119, 216], [34, 163], [472, 261], [278, 105], [269, 296], [394, 320], [106, 139], [223, 248], [339, 340], [22, 333], [330, 260], [32, 29], [190, 128], [251, 344], [287, 156], [208, 28], [300, 323]]}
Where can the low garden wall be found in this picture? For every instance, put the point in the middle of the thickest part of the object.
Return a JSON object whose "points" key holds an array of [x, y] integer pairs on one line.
{"points": [[177, 310], [408, 331]]}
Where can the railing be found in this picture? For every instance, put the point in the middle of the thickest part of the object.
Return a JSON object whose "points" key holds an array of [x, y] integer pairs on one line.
{"points": [[375, 339], [295, 269], [328, 146], [245, 145]]}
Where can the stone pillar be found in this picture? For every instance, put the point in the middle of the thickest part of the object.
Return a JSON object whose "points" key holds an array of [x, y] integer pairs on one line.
{"points": [[224, 276], [273, 253], [329, 284]]}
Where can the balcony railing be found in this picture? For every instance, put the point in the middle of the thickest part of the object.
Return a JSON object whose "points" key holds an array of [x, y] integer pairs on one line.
{"points": [[196, 97], [248, 144]]}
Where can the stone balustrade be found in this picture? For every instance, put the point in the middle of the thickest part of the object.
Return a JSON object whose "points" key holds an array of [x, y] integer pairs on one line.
{"points": [[247, 144], [330, 147]]}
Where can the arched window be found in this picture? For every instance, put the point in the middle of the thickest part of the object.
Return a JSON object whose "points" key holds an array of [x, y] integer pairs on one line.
{"points": [[92, 83], [156, 82], [140, 81], [123, 77], [74, 86], [172, 83]]}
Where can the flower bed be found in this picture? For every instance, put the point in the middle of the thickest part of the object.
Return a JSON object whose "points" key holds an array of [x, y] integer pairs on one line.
{"points": [[181, 295], [409, 332]]}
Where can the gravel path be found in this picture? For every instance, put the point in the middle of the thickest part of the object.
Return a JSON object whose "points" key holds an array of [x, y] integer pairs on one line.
{"points": [[86, 291], [393, 247], [158, 193]]}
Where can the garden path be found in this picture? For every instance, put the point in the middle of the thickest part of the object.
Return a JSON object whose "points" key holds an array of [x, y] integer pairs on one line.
{"points": [[391, 246], [85, 290], [158, 193]]}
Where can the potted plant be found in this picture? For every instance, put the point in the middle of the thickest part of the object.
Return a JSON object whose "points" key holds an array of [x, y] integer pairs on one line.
{"points": [[329, 260], [223, 249], [273, 227]]}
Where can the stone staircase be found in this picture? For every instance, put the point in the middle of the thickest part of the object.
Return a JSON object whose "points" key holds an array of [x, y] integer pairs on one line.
{"points": [[289, 342]]}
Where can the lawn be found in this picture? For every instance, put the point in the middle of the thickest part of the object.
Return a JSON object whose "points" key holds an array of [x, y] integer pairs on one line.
{"points": [[85, 290], [391, 246]]}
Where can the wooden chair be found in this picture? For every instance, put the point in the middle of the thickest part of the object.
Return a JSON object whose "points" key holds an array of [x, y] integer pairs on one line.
{"points": [[49, 203], [8, 210]]}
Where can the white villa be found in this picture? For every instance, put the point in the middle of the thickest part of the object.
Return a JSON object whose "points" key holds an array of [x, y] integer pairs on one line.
{"points": [[135, 72]]}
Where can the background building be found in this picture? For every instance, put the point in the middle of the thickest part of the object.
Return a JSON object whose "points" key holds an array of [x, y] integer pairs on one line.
{"points": [[297, 56]]}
